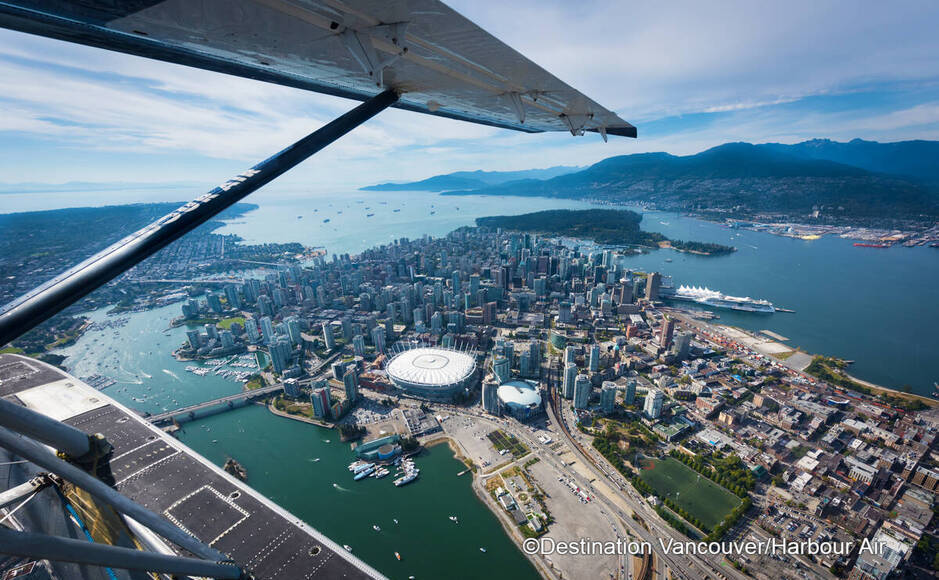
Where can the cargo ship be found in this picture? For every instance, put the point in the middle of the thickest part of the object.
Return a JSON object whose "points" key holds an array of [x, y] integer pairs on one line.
{"points": [[870, 245], [715, 299]]}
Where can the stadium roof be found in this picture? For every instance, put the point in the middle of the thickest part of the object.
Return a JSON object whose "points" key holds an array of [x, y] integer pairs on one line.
{"points": [[519, 393], [431, 366]]}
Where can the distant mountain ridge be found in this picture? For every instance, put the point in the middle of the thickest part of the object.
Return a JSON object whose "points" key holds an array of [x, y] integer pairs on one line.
{"points": [[473, 179], [865, 182], [918, 160]]}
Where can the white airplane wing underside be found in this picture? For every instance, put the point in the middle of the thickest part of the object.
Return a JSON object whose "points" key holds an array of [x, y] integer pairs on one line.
{"points": [[440, 62]]}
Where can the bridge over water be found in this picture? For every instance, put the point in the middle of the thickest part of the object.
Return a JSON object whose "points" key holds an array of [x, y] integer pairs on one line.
{"points": [[216, 405]]}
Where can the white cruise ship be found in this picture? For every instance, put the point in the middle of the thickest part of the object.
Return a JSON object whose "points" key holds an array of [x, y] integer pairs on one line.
{"points": [[715, 299]]}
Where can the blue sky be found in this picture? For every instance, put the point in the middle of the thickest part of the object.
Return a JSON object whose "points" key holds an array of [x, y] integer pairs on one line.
{"points": [[689, 74]]}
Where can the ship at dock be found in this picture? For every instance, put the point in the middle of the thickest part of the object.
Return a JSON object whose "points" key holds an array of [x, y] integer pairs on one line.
{"points": [[715, 299]]}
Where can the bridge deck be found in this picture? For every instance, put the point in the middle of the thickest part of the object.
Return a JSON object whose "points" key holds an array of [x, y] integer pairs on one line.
{"points": [[263, 391]]}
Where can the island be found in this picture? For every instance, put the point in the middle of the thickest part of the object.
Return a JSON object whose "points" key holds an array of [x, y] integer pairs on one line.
{"points": [[603, 226]]}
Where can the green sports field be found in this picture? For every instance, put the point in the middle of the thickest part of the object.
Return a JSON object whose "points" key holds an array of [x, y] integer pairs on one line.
{"points": [[698, 495]]}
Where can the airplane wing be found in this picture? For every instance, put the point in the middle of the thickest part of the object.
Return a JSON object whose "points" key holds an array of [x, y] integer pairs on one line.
{"points": [[440, 62]]}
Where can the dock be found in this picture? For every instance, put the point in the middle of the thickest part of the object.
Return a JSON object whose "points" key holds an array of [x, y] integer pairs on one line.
{"points": [[772, 334]]}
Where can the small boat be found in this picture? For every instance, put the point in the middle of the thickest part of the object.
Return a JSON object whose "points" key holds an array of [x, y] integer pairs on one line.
{"points": [[395, 210], [395, 520], [369, 215], [315, 460], [482, 550], [347, 547], [376, 528], [360, 475], [398, 556], [326, 221], [453, 519]]}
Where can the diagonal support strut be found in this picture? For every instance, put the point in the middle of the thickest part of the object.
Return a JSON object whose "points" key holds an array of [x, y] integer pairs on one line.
{"points": [[43, 302]]}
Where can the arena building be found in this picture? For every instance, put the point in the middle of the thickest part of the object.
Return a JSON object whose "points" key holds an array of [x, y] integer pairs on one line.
{"points": [[432, 373], [521, 399]]}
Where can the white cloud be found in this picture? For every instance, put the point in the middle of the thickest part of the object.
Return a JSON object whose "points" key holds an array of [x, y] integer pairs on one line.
{"points": [[745, 63]]}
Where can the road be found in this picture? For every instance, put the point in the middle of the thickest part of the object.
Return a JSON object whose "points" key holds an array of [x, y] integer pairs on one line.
{"points": [[680, 566]]}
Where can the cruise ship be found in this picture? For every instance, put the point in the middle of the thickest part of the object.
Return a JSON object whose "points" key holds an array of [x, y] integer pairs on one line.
{"points": [[715, 299]]}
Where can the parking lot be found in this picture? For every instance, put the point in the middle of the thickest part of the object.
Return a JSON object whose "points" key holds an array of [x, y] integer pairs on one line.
{"points": [[471, 434], [575, 518]]}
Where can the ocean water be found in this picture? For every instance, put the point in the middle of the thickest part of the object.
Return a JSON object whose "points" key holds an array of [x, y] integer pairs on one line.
{"points": [[877, 307]]}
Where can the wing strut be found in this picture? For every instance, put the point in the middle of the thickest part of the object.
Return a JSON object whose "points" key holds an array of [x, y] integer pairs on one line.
{"points": [[64, 290]]}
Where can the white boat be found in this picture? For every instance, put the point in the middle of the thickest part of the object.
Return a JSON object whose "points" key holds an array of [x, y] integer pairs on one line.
{"points": [[380, 473], [482, 549], [360, 475], [347, 547], [405, 479], [376, 528]]}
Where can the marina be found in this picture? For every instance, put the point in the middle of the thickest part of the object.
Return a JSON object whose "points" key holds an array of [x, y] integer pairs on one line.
{"points": [[406, 471]]}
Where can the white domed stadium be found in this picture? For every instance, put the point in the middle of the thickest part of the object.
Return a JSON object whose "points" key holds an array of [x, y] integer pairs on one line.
{"points": [[520, 398], [432, 372]]}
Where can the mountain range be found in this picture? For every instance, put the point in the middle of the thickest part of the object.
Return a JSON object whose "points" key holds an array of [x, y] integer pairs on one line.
{"points": [[859, 180], [473, 179]]}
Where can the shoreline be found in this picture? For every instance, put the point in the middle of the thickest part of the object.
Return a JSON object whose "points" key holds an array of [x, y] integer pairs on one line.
{"points": [[476, 480], [280, 413], [928, 401], [877, 389]]}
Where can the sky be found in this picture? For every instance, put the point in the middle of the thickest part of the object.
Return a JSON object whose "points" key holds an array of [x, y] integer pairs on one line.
{"points": [[689, 74]]}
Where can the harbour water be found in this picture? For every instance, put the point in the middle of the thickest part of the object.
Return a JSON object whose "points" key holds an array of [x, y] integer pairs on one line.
{"points": [[876, 307], [279, 456]]}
